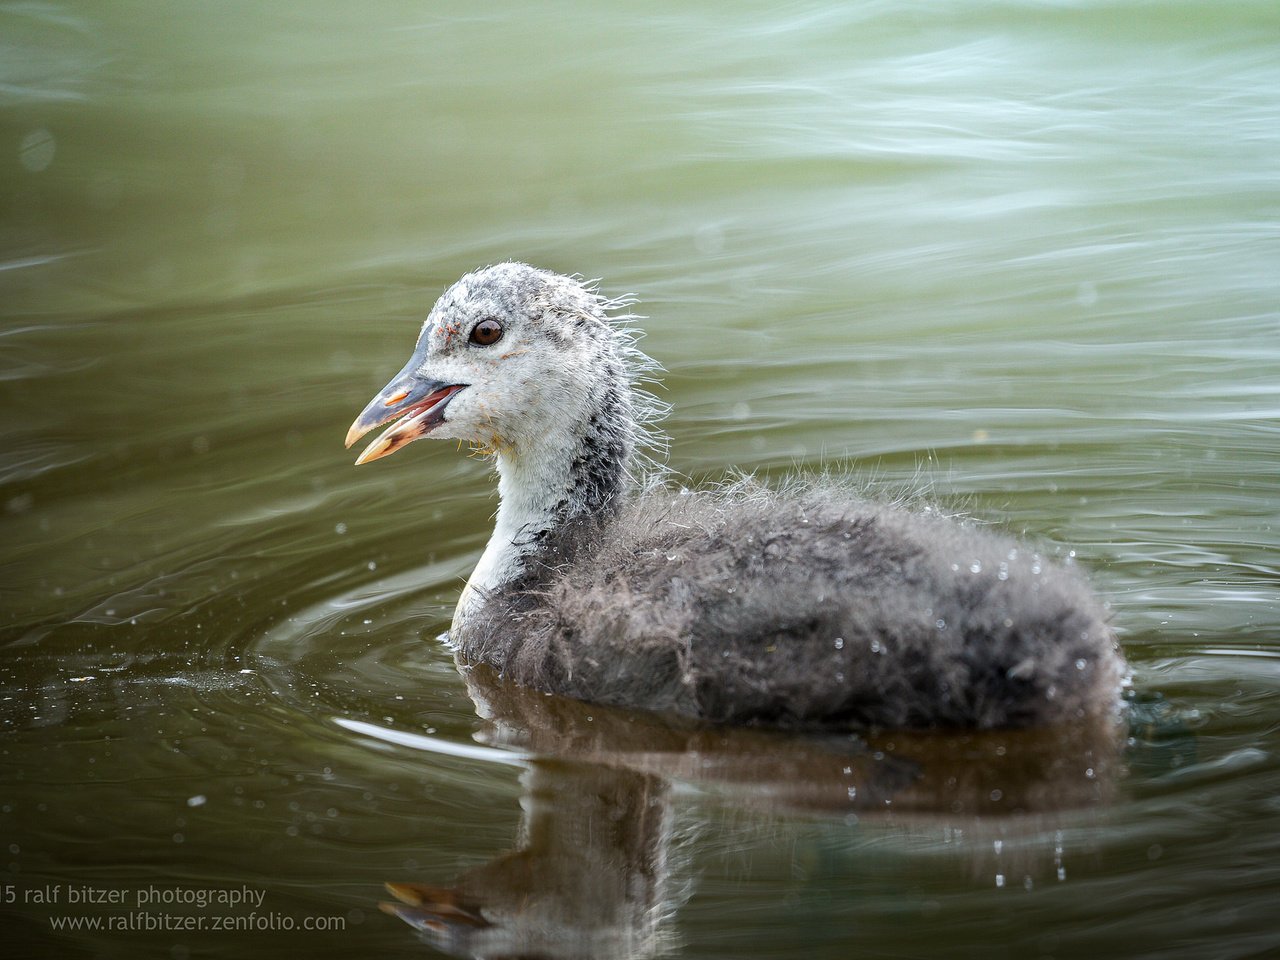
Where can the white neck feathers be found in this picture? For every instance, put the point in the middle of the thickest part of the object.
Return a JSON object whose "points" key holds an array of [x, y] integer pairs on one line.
{"points": [[579, 470]]}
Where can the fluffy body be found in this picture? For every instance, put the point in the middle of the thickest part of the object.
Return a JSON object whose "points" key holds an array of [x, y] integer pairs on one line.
{"points": [[801, 607], [804, 606]]}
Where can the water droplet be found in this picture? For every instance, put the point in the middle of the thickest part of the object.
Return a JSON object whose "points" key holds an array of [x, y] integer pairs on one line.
{"points": [[340, 529], [999, 879], [875, 647], [198, 800], [975, 567], [36, 150], [1080, 664], [839, 643], [940, 624]]}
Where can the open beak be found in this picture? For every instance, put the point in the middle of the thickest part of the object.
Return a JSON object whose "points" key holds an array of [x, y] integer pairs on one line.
{"points": [[432, 908], [414, 402]]}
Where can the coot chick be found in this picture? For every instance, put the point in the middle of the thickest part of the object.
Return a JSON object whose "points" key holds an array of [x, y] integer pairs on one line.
{"points": [[802, 606]]}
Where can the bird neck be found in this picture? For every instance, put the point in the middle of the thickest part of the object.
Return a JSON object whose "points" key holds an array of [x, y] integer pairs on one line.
{"points": [[580, 470]]}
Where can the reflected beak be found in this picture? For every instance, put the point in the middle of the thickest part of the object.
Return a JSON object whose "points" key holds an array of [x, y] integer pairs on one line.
{"points": [[414, 402], [432, 907]]}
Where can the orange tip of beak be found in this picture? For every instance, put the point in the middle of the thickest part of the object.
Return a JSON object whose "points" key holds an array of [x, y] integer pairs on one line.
{"points": [[376, 450]]}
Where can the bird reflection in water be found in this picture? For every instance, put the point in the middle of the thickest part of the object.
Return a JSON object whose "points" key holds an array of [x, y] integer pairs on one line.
{"points": [[600, 865]]}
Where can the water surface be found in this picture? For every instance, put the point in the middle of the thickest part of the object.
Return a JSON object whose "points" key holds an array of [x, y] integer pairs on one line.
{"points": [[1022, 255]]}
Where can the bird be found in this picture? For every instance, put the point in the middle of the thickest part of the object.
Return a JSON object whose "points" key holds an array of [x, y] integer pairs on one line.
{"points": [[801, 605]]}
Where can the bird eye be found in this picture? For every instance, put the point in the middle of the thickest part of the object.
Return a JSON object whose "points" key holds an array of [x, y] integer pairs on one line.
{"points": [[486, 332]]}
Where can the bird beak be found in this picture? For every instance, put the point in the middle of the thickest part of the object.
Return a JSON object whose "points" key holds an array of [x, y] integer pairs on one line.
{"points": [[415, 402]]}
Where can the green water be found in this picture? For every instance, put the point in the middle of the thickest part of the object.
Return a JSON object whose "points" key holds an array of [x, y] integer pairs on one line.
{"points": [[1021, 254]]}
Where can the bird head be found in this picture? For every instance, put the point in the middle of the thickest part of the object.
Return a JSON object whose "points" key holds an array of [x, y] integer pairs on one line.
{"points": [[508, 356]]}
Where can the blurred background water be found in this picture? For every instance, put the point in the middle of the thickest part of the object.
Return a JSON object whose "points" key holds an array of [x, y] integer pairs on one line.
{"points": [[1023, 255]]}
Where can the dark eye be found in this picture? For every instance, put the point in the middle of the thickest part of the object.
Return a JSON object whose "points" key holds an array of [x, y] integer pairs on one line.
{"points": [[486, 332]]}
